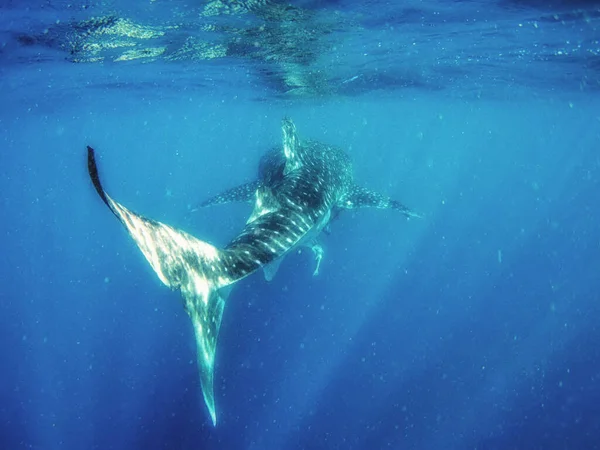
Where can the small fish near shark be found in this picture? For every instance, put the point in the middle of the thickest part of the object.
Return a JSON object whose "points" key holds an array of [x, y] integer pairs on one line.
{"points": [[301, 186]]}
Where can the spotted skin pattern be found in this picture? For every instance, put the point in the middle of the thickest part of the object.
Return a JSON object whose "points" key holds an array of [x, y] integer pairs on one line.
{"points": [[243, 193], [360, 197], [270, 173], [297, 190]]}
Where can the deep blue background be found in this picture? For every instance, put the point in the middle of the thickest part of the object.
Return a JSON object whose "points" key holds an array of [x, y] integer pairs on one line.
{"points": [[475, 327]]}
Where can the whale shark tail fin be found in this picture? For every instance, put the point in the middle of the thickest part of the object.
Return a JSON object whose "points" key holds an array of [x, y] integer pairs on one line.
{"points": [[199, 270]]}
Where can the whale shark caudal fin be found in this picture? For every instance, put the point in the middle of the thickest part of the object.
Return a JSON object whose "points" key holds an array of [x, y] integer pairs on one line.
{"points": [[360, 197], [200, 271]]}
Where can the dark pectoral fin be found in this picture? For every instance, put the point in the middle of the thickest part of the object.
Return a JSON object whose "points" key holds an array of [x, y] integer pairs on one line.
{"points": [[360, 197], [243, 193]]}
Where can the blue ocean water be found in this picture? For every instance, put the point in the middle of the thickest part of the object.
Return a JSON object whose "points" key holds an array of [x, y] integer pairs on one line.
{"points": [[475, 327]]}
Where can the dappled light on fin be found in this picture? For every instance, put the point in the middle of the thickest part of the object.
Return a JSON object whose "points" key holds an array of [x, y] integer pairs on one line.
{"points": [[265, 203], [200, 271], [206, 319]]}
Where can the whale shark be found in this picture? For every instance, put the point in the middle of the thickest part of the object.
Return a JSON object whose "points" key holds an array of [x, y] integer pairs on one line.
{"points": [[300, 187]]}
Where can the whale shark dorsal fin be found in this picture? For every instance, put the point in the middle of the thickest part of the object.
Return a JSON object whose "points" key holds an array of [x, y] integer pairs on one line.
{"points": [[360, 197], [291, 146], [265, 202]]}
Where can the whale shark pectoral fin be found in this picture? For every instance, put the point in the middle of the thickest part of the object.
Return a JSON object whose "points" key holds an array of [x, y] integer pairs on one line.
{"points": [[200, 271], [270, 270], [243, 193], [360, 197]]}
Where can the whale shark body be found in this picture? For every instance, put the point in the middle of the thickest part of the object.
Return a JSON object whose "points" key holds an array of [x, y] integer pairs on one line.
{"points": [[300, 187]]}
